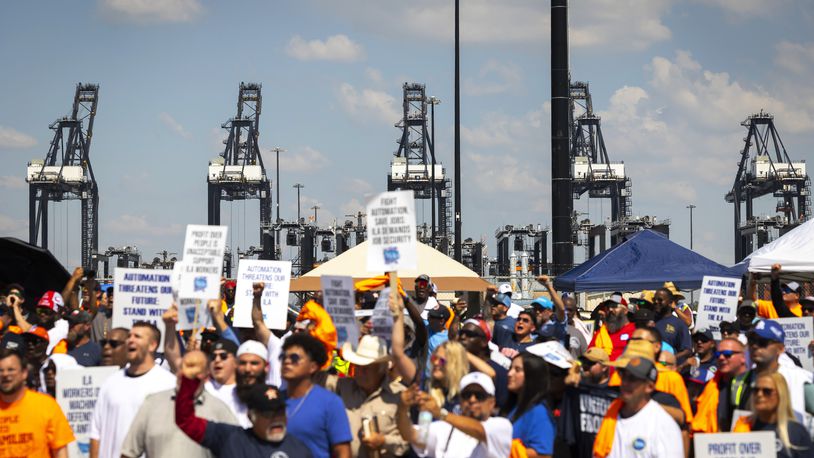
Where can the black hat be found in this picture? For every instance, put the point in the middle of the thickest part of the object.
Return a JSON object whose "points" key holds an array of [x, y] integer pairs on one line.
{"points": [[439, 312], [79, 316], [13, 342], [423, 277], [641, 368], [225, 345], [265, 398], [704, 332], [643, 316], [728, 327]]}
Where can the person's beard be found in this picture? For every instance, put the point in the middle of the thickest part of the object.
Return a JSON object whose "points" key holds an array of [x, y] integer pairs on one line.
{"points": [[276, 437], [244, 383], [12, 388], [614, 322]]}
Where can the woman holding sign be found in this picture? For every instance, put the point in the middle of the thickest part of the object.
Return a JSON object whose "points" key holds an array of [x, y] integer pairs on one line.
{"points": [[772, 412]]}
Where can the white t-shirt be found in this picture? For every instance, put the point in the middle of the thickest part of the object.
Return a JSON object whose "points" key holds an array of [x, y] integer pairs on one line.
{"points": [[796, 378], [119, 400], [228, 395], [57, 333], [444, 441], [652, 432]]}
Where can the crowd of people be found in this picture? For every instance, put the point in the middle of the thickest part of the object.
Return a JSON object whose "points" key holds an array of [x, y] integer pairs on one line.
{"points": [[634, 376]]}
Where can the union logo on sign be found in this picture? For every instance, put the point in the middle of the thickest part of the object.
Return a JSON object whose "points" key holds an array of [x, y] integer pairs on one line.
{"points": [[391, 255]]}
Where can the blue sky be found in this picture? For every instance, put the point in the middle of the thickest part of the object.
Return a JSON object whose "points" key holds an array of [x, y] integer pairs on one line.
{"points": [[672, 81]]}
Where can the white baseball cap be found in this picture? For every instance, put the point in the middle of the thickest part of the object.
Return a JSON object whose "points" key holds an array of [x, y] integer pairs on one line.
{"points": [[253, 347], [478, 378], [552, 352], [504, 288]]}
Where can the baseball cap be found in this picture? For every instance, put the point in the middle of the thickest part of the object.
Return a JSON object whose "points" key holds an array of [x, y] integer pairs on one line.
{"points": [[769, 330], [51, 300], [14, 342], [265, 398], [253, 347], [553, 353], [439, 312], [226, 345], [422, 277], [617, 299], [791, 286], [480, 379], [79, 316], [807, 301], [482, 325], [39, 332], [501, 298], [642, 316], [704, 332], [641, 368], [505, 288], [747, 303], [595, 355], [543, 302], [230, 284]]}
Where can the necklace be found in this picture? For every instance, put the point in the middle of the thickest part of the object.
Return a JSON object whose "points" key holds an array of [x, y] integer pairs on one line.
{"points": [[299, 404]]}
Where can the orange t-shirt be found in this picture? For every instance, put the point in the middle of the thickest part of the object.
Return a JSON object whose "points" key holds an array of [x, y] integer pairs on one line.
{"points": [[765, 309], [33, 426]]}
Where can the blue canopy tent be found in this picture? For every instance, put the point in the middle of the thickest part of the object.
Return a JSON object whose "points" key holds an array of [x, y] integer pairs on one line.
{"points": [[644, 261]]}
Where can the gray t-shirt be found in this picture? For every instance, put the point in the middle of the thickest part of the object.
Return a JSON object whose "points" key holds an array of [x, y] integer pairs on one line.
{"points": [[100, 326], [154, 433]]}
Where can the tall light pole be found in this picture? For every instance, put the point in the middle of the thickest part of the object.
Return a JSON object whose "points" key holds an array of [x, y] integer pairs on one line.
{"points": [[458, 223], [315, 208], [433, 100], [278, 150], [691, 207], [298, 186]]}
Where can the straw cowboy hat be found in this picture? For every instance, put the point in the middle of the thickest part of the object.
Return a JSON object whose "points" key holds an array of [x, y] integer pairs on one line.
{"points": [[371, 350]]}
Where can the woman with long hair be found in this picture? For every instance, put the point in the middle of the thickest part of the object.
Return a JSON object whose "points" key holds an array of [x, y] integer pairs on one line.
{"points": [[527, 408], [449, 364], [771, 411]]}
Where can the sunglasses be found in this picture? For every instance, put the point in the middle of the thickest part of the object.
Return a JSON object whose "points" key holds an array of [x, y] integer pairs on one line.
{"points": [[726, 353], [111, 342], [220, 356], [702, 339], [470, 334], [765, 392], [480, 396], [524, 320], [295, 358], [438, 360]]}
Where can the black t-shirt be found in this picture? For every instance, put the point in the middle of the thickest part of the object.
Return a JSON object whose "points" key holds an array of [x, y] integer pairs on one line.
{"points": [[581, 413], [228, 441], [501, 383], [87, 355], [798, 436]]}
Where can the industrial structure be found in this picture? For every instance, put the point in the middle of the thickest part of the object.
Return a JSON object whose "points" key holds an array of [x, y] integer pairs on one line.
{"points": [[238, 173], [528, 242], [414, 166], [765, 168], [66, 174]]}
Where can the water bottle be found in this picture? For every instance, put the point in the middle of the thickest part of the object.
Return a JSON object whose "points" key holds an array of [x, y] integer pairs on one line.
{"points": [[424, 420]]}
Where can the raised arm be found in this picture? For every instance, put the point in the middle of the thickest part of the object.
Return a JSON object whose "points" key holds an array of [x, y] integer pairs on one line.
{"points": [[777, 294], [193, 372], [262, 332], [69, 291], [403, 363], [559, 307], [172, 350], [421, 333]]}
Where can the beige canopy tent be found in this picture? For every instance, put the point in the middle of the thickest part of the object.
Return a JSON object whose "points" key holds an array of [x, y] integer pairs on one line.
{"points": [[446, 273]]}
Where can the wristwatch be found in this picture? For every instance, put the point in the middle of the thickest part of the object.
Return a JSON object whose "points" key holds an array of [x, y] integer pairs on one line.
{"points": [[443, 415]]}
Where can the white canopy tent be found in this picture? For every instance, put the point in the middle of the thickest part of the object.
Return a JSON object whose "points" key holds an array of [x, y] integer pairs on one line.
{"points": [[794, 251], [446, 273]]}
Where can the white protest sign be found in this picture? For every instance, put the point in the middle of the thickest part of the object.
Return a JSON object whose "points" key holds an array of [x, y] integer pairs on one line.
{"points": [[141, 295], [391, 232], [77, 391], [759, 444], [382, 318], [339, 300], [799, 332], [188, 319], [718, 302], [203, 261], [274, 303]]}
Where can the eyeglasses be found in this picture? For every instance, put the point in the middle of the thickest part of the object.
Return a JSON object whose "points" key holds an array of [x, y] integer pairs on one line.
{"points": [[726, 353], [438, 360], [293, 357], [220, 356], [766, 392], [480, 396], [113, 343], [470, 334]]}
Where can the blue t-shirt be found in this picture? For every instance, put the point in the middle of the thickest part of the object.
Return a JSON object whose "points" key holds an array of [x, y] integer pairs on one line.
{"points": [[319, 420], [228, 441], [674, 332], [503, 331], [536, 429], [87, 355], [556, 329]]}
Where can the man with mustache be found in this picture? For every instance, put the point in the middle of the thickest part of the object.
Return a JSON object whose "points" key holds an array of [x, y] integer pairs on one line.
{"points": [[617, 330]]}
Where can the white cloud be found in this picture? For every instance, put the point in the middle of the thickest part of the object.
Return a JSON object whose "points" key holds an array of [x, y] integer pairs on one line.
{"points": [[501, 130], [13, 139], [504, 173], [304, 160], [12, 182], [742, 9], [173, 125], [138, 224], [374, 75], [335, 48], [369, 104], [153, 11], [796, 57], [494, 77]]}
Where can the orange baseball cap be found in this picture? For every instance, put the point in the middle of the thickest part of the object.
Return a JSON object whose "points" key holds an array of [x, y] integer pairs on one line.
{"points": [[39, 332]]}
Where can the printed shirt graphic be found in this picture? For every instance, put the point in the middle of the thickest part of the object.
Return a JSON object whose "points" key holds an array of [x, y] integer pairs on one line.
{"points": [[33, 426]]}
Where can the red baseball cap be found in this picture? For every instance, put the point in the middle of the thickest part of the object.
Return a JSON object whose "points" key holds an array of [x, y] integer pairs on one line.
{"points": [[51, 300], [482, 325]]}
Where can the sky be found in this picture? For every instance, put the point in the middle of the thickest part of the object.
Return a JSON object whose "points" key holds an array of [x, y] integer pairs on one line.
{"points": [[672, 81]]}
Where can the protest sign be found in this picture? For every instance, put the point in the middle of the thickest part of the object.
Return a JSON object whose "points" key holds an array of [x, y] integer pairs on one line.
{"points": [[391, 232], [735, 445], [382, 318], [338, 299], [141, 295], [192, 312], [799, 332], [77, 391], [203, 261], [718, 302], [274, 302]]}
